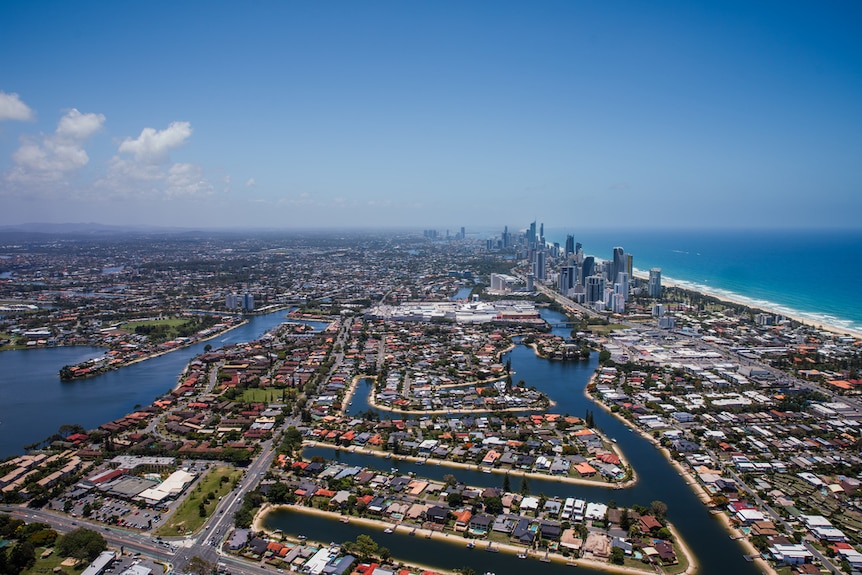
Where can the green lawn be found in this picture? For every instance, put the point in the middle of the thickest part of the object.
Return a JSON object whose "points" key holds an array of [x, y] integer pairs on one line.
{"points": [[170, 323], [257, 395], [187, 519], [46, 566], [12, 339], [606, 329]]}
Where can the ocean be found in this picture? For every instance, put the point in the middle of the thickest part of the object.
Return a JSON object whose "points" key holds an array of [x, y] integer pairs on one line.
{"points": [[811, 274]]}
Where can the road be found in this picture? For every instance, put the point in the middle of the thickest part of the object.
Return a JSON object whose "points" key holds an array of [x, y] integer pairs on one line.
{"points": [[207, 542]]}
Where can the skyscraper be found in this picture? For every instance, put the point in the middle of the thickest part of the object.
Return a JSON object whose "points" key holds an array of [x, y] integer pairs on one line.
{"points": [[623, 283], [231, 301], [654, 285], [587, 269], [247, 302], [539, 265], [618, 264], [595, 289], [570, 244]]}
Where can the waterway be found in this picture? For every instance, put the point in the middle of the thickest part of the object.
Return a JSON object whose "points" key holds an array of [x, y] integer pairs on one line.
{"points": [[34, 403], [564, 383]]}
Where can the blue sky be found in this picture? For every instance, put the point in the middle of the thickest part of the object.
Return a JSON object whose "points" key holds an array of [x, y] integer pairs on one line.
{"points": [[296, 114]]}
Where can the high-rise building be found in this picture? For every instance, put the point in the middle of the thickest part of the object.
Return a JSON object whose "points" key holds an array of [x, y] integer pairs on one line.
{"points": [[231, 301], [654, 285], [618, 263], [623, 283], [588, 268], [531, 235], [539, 265], [570, 244], [573, 277], [595, 289], [247, 302], [463, 233]]}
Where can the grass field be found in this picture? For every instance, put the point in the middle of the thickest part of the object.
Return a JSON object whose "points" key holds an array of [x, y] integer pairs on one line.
{"points": [[170, 323], [46, 566], [12, 339], [187, 519], [255, 395], [606, 329]]}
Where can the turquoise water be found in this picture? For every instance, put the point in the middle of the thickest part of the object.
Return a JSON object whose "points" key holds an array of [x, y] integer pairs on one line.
{"points": [[813, 274]]}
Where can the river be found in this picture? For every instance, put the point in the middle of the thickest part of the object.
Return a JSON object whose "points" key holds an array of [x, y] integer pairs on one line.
{"points": [[563, 382], [34, 403]]}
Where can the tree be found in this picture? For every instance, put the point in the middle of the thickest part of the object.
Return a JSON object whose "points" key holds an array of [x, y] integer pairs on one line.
{"points": [[493, 505], [507, 487], [365, 546], [455, 499], [618, 556], [22, 557], [200, 566], [525, 486], [83, 544], [659, 508]]}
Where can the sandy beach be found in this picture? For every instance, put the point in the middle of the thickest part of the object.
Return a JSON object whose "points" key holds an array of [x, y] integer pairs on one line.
{"points": [[742, 301], [508, 548]]}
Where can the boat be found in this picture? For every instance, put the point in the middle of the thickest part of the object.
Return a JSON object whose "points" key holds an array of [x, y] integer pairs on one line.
{"points": [[470, 544], [388, 530], [345, 520], [302, 537], [522, 555]]}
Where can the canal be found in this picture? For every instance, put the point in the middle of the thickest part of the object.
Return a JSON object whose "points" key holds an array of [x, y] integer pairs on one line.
{"points": [[563, 382]]}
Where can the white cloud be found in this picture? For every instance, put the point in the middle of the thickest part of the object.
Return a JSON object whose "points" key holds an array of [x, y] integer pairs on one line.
{"points": [[148, 173], [250, 183], [12, 108], [187, 180], [56, 156], [152, 145]]}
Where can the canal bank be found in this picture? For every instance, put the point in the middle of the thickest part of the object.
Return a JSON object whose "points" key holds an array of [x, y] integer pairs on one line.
{"points": [[564, 382], [34, 402], [372, 526]]}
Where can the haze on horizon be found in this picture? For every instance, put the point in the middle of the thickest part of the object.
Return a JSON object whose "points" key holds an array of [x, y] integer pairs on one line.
{"points": [[381, 114]]}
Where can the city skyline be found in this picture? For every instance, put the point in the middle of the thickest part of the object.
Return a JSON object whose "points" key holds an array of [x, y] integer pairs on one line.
{"points": [[391, 115]]}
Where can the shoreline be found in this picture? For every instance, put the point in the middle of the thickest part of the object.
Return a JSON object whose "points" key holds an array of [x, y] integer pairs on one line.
{"points": [[692, 482], [471, 466], [154, 355], [770, 307], [505, 547]]}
